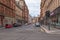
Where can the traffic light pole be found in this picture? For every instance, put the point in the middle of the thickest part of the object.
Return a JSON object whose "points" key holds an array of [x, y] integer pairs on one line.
{"points": [[47, 18]]}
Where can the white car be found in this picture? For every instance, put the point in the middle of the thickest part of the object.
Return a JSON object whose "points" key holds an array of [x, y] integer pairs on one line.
{"points": [[37, 24]]}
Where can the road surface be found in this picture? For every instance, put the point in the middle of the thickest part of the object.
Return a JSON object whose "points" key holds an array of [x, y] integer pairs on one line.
{"points": [[26, 32]]}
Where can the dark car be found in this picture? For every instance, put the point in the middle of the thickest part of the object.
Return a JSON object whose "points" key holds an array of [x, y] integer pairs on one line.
{"points": [[16, 24], [37, 24]]}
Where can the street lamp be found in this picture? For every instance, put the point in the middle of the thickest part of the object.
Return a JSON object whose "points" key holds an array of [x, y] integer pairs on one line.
{"points": [[47, 18], [47, 14]]}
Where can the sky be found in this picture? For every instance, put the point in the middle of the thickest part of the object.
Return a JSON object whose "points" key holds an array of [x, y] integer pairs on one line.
{"points": [[34, 7]]}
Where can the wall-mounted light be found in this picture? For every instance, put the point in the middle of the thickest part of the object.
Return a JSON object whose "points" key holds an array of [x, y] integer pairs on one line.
{"points": [[17, 0]]}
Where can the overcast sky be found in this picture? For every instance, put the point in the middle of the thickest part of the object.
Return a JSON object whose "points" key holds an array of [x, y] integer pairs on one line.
{"points": [[34, 7]]}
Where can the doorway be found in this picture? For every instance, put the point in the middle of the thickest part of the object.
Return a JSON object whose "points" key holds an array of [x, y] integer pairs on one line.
{"points": [[1, 21]]}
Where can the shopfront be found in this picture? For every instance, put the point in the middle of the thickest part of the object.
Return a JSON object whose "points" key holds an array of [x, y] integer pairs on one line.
{"points": [[55, 17]]}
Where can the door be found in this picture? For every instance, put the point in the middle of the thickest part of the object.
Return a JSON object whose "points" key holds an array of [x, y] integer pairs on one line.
{"points": [[1, 20]]}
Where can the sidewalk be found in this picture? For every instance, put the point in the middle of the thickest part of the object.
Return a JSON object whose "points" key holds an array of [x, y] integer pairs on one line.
{"points": [[51, 31], [2, 27]]}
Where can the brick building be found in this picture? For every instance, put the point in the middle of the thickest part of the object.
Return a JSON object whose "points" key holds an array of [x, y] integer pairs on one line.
{"points": [[25, 12], [18, 11], [30, 19], [26, 15], [10, 12], [53, 6], [7, 14], [22, 11]]}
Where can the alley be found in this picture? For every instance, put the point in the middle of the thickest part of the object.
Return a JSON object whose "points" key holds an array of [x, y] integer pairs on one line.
{"points": [[26, 32]]}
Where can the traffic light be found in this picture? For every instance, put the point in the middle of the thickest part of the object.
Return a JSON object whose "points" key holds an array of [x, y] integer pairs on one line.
{"points": [[47, 13]]}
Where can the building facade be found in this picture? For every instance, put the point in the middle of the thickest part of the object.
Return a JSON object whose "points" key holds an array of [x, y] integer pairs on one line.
{"points": [[53, 6], [35, 19], [30, 19], [7, 13], [11, 11], [26, 15], [23, 11]]}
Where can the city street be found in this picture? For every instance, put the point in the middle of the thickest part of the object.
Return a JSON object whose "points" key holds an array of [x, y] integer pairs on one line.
{"points": [[29, 19], [26, 32]]}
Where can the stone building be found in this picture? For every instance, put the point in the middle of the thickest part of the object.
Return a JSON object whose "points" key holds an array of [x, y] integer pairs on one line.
{"points": [[26, 15], [19, 12], [25, 11], [30, 19], [35, 19], [53, 6]]}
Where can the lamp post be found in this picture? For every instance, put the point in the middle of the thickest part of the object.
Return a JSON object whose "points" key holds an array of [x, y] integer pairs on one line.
{"points": [[47, 18]]}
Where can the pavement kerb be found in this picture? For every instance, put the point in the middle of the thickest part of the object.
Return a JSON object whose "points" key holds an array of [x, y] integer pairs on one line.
{"points": [[50, 32], [2, 27], [45, 30]]}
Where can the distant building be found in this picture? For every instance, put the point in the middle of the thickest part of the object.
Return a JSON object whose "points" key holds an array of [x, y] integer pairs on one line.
{"points": [[26, 14], [29, 19], [35, 19]]}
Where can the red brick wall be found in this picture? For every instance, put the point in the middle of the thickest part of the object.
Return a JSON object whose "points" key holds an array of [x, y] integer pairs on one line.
{"points": [[7, 11], [1, 9]]}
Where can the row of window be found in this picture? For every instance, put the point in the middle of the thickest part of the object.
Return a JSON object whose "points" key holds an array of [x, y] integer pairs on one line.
{"points": [[9, 3], [6, 11]]}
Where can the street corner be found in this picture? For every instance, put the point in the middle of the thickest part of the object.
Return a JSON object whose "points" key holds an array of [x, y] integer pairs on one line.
{"points": [[45, 30], [42, 30]]}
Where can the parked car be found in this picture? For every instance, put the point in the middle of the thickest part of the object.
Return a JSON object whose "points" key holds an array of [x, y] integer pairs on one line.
{"points": [[37, 24], [8, 26], [19, 24], [16, 24]]}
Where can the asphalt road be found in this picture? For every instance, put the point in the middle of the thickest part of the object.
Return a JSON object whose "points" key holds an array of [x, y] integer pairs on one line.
{"points": [[26, 32]]}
